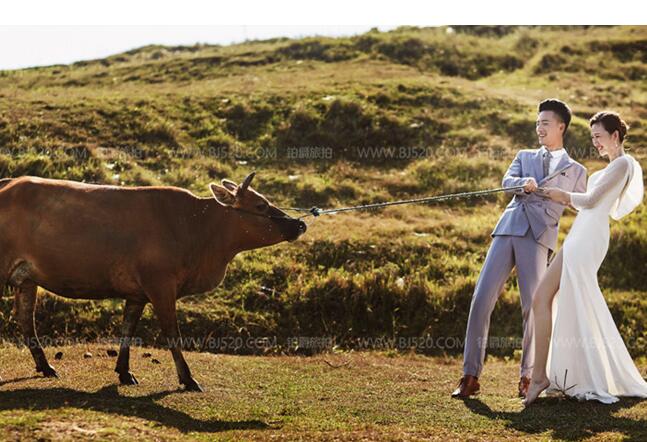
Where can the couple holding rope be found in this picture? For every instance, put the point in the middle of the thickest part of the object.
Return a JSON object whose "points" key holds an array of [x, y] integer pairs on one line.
{"points": [[569, 334]]}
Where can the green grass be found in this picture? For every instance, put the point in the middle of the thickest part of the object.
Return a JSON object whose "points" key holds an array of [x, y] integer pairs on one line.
{"points": [[466, 100], [348, 395]]}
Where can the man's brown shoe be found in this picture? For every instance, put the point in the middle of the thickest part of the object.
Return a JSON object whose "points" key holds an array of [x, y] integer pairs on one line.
{"points": [[468, 386], [524, 382]]}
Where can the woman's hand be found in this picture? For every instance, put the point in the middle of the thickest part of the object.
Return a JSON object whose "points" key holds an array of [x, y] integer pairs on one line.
{"points": [[555, 194]]}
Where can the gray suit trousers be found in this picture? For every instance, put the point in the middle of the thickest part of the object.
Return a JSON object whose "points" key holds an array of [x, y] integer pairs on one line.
{"points": [[506, 252]]}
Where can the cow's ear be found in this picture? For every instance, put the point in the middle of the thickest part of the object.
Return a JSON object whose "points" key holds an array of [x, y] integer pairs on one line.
{"points": [[222, 195], [230, 185]]}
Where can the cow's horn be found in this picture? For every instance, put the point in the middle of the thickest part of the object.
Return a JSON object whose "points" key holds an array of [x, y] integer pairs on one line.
{"points": [[245, 185]]}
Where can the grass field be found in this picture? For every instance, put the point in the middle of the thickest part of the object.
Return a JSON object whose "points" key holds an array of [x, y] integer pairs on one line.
{"points": [[348, 395], [449, 108]]}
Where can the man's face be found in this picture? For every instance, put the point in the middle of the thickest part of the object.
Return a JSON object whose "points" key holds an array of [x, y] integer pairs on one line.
{"points": [[549, 128]]}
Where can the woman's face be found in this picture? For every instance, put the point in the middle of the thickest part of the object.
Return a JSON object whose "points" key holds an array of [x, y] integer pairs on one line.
{"points": [[603, 141]]}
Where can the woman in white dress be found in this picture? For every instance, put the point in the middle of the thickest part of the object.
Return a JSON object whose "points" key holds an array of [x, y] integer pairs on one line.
{"points": [[586, 351]]}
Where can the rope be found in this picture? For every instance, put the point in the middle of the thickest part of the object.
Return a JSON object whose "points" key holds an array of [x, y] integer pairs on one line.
{"points": [[315, 211]]}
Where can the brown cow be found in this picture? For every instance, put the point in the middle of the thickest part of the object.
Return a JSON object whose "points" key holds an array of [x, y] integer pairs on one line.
{"points": [[142, 244]]}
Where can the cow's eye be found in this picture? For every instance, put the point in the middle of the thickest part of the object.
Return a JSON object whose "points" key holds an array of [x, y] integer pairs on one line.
{"points": [[262, 207]]}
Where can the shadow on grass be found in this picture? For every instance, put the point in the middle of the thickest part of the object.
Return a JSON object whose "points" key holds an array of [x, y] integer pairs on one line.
{"points": [[567, 418], [108, 400], [24, 378]]}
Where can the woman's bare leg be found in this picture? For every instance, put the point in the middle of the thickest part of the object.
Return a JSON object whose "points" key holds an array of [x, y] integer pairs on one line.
{"points": [[542, 304]]}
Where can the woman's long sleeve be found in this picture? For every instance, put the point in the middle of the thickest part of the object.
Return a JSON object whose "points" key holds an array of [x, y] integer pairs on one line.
{"points": [[616, 171]]}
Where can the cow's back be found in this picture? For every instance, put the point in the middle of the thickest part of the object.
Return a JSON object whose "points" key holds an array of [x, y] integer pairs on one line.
{"points": [[81, 238]]}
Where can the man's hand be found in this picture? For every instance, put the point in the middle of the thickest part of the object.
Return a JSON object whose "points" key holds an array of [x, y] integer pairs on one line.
{"points": [[530, 186]]}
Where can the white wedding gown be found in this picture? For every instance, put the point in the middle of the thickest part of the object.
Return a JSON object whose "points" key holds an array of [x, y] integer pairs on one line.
{"points": [[585, 340]]}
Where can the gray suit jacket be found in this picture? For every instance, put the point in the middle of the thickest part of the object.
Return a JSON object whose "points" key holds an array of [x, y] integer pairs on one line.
{"points": [[531, 211]]}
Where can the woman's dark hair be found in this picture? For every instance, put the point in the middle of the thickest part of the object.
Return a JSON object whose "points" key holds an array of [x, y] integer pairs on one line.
{"points": [[611, 122], [559, 107]]}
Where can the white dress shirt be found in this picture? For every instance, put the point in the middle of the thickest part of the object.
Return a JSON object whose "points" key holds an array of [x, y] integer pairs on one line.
{"points": [[556, 158]]}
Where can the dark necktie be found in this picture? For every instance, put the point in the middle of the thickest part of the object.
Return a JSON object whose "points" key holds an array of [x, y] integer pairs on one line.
{"points": [[547, 157]]}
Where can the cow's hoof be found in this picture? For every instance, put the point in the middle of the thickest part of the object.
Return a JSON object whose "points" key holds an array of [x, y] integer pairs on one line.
{"points": [[192, 385], [127, 379], [49, 372]]}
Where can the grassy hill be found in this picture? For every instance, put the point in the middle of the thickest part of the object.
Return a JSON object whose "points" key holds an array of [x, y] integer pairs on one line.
{"points": [[334, 122]]}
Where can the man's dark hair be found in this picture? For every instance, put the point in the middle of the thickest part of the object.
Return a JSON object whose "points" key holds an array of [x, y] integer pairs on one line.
{"points": [[559, 107]]}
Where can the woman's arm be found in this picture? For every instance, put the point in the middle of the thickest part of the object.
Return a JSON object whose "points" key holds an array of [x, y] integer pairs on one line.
{"points": [[616, 171], [555, 194]]}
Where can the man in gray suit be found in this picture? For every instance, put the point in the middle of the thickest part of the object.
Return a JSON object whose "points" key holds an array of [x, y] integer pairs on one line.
{"points": [[524, 237]]}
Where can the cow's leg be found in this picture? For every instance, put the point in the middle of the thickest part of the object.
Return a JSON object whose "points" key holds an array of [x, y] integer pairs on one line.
{"points": [[164, 306], [132, 312], [25, 304]]}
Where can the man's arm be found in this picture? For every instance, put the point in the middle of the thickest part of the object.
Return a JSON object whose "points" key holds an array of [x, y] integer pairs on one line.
{"points": [[514, 177], [579, 187], [580, 184]]}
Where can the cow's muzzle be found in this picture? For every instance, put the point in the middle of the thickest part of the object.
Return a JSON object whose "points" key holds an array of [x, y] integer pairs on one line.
{"points": [[302, 227], [297, 229]]}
